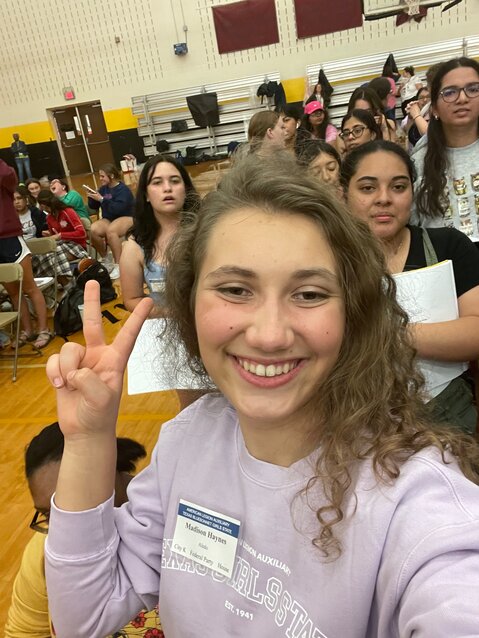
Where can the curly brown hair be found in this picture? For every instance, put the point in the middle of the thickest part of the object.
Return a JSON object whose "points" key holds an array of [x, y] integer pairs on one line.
{"points": [[370, 407]]}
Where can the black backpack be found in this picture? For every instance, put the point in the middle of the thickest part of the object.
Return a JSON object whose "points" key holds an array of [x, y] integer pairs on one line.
{"points": [[99, 273], [279, 97], [162, 146], [67, 319]]}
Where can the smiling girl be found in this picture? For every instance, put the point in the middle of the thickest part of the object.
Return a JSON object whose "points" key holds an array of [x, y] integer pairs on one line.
{"points": [[287, 504]]}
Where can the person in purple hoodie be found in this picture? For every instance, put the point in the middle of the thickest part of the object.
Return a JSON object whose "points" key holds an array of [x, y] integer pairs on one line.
{"points": [[310, 496]]}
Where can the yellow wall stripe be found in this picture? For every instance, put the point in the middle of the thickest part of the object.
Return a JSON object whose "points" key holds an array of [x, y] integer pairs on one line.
{"points": [[119, 119], [36, 132], [32, 133], [116, 119]]}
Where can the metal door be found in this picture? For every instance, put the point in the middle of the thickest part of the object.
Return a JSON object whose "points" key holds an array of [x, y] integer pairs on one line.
{"points": [[71, 139], [83, 137], [96, 135]]}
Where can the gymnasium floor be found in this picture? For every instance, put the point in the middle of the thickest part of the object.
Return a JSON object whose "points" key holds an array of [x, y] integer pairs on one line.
{"points": [[29, 404]]}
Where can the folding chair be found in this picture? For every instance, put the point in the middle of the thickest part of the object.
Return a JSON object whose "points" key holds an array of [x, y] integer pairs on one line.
{"points": [[44, 246], [10, 273]]}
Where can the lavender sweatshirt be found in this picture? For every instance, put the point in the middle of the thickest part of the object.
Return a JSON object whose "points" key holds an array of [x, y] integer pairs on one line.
{"points": [[409, 566]]}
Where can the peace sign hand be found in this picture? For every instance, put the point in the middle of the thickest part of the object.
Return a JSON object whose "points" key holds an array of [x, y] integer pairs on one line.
{"points": [[89, 379]]}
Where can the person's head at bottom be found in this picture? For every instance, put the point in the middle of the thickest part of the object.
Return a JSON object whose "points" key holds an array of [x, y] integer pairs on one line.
{"points": [[42, 464]]}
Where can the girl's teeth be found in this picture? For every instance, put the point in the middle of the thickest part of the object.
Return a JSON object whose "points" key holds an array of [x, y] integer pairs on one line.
{"points": [[271, 370]]}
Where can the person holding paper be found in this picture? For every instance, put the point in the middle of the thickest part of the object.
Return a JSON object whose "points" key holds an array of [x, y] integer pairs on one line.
{"points": [[117, 208], [378, 180], [165, 193], [309, 496]]}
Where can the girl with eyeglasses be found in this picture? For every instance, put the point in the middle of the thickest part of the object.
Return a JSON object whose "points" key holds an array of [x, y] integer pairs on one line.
{"points": [[368, 100], [448, 166], [359, 127]]}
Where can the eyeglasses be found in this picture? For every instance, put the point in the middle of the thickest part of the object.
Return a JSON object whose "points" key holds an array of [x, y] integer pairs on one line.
{"points": [[316, 114], [40, 522], [356, 132], [452, 93]]}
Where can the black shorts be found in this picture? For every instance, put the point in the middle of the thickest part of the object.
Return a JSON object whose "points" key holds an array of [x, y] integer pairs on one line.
{"points": [[13, 250]]}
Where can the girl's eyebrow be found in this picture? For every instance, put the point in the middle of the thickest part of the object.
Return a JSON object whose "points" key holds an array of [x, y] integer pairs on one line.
{"points": [[232, 270], [306, 273], [375, 179]]}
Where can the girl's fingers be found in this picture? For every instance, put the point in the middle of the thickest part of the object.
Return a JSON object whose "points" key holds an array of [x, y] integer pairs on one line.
{"points": [[96, 395], [92, 325], [125, 339], [70, 359], [54, 372]]}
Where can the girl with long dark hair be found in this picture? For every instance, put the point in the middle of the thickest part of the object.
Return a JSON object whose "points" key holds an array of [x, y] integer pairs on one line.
{"points": [[369, 100], [64, 225], [359, 127], [448, 167], [315, 125], [34, 222], [164, 190], [378, 180]]}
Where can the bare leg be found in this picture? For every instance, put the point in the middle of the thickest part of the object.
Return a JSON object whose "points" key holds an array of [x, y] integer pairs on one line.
{"points": [[99, 231], [13, 290], [31, 289], [116, 230]]}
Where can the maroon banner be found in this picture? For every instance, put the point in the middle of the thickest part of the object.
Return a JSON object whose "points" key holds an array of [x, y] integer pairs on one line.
{"points": [[246, 24], [318, 17]]}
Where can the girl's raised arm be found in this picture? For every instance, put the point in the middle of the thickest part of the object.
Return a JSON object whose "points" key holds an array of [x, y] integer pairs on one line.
{"points": [[89, 380]]}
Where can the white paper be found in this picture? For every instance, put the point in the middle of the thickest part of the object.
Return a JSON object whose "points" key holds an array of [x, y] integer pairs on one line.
{"points": [[153, 368], [42, 282], [70, 135], [428, 295]]}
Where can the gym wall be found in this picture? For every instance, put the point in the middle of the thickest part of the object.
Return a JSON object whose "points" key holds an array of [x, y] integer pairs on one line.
{"points": [[115, 49]]}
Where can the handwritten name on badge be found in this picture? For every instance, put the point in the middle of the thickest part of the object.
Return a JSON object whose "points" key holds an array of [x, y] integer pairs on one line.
{"points": [[206, 537]]}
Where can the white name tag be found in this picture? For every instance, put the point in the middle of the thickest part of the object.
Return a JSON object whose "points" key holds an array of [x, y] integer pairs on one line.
{"points": [[206, 537]]}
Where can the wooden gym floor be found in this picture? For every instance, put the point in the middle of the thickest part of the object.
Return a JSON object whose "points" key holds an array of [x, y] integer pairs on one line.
{"points": [[29, 404]]}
